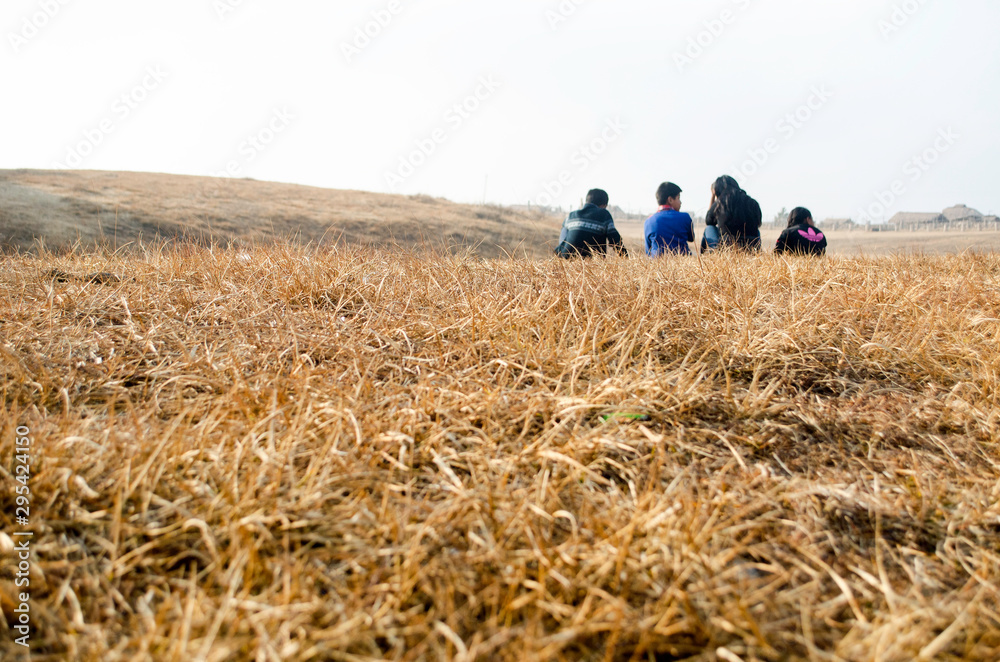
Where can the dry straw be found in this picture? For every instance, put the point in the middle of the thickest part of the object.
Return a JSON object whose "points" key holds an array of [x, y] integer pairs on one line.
{"points": [[291, 454]]}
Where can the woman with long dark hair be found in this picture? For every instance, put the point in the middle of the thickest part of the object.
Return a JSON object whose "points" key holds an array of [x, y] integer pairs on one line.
{"points": [[736, 215]]}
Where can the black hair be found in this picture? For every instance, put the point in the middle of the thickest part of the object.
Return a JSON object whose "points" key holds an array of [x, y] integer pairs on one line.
{"points": [[799, 216], [666, 191], [597, 197], [732, 202]]}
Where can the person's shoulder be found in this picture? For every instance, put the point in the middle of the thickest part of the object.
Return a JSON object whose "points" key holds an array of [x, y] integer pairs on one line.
{"points": [[675, 216], [664, 215], [605, 215], [594, 213]]}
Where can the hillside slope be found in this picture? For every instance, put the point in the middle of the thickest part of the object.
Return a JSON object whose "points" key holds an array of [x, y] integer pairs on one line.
{"points": [[116, 208]]}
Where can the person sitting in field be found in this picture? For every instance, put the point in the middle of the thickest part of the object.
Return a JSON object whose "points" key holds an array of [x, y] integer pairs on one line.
{"points": [[711, 239], [736, 215], [668, 231], [590, 230], [801, 237]]}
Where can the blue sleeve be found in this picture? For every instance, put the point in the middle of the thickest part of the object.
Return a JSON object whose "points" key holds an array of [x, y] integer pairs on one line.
{"points": [[691, 236], [648, 232]]}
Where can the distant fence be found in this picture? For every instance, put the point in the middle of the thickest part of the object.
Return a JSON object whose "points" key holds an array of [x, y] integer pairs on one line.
{"points": [[960, 226]]}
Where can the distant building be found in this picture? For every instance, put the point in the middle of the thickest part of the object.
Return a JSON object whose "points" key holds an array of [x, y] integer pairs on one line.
{"points": [[909, 219], [959, 218], [961, 213], [623, 216]]}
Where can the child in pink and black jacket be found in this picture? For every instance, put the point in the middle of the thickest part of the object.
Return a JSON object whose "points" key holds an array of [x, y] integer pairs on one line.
{"points": [[802, 237]]}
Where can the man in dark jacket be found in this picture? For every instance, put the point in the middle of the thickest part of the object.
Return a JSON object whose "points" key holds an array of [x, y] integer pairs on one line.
{"points": [[590, 230], [801, 237]]}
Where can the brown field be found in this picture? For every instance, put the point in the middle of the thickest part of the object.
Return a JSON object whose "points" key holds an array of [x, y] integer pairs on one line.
{"points": [[353, 454], [115, 209], [90, 209], [843, 242]]}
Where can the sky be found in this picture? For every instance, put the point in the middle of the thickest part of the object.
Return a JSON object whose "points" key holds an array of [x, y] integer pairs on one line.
{"points": [[853, 108]]}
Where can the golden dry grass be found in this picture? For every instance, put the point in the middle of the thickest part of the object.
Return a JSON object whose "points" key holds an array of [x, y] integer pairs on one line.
{"points": [[355, 455], [112, 209], [846, 243]]}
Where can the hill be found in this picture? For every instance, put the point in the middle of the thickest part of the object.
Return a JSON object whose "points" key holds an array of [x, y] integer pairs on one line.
{"points": [[353, 454], [116, 208]]}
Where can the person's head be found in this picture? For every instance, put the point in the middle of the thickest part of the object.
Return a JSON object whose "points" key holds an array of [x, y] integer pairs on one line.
{"points": [[598, 197], [724, 187], [669, 194], [800, 216]]}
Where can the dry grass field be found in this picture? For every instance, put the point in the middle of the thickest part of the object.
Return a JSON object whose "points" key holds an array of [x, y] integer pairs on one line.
{"points": [[116, 209], [846, 243], [88, 209], [888, 243], [353, 454]]}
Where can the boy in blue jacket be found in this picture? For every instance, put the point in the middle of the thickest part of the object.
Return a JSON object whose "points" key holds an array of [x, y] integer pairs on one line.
{"points": [[669, 231]]}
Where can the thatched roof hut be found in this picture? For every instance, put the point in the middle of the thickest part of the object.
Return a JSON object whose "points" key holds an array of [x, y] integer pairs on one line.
{"points": [[960, 213]]}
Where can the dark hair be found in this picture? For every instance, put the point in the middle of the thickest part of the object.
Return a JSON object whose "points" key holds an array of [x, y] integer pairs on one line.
{"points": [[725, 186], [666, 191], [732, 202], [799, 216], [597, 197]]}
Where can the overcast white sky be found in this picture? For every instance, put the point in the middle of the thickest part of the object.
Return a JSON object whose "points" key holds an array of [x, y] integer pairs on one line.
{"points": [[610, 76]]}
